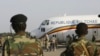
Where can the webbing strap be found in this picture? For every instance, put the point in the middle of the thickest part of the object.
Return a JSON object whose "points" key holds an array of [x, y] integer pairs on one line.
{"points": [[84, 47]]}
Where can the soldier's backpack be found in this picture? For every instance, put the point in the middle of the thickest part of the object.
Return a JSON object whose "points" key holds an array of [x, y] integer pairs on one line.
{"points": [[81, 48]]}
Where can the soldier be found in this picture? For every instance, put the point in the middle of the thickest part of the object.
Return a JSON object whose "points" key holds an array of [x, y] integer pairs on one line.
{"points": [[47, 44], [81, 47], [53, 43], [20, 44], [69, 38], [94, 36]]}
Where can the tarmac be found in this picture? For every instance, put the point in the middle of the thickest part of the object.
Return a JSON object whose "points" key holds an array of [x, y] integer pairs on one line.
{"points": [[54, 53], [58, 51]]}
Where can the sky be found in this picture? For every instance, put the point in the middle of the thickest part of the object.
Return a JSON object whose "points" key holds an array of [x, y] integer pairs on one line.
{"points": [[39, 10]]}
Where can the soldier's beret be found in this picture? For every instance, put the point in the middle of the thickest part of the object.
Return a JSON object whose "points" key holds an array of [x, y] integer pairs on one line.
{"points": [[19, 18]]}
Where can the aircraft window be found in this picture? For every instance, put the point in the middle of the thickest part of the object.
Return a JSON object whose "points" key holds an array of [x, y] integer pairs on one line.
{"points": [[54, 35], [43, 23], [46, 22], [42, 29]]}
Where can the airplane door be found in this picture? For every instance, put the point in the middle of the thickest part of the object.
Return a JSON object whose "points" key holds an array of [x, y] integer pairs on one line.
{"points": [[60, 36]]}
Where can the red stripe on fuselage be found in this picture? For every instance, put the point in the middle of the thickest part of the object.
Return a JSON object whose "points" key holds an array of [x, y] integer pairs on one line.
{"points": [[71, 27]]}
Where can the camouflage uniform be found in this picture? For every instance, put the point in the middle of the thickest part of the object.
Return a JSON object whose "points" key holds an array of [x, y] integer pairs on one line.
{"points": [[82, 47], [22, 46]]}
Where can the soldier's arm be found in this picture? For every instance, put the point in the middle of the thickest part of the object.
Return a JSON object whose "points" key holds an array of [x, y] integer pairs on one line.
{"points": [[5, 50], [98, 51]]}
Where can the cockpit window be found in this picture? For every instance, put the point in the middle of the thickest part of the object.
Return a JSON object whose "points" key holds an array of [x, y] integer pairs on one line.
{"points": [[43, 23], [46, 22]]}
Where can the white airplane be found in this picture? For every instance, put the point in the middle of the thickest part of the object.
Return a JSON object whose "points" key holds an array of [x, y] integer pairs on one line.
{"points": [[60, 27]]}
